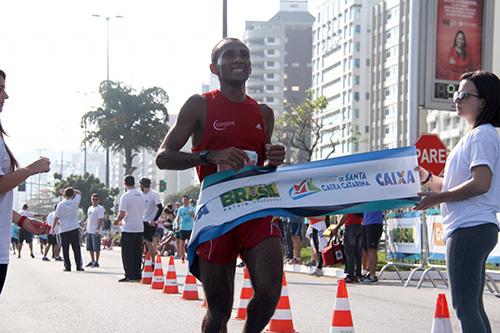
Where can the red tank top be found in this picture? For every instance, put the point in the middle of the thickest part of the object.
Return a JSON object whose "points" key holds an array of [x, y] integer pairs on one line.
{"points": [[231, 124]]}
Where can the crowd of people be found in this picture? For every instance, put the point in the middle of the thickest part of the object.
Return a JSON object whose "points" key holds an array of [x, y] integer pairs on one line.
{"points": [[359, 233], [166, 229]]}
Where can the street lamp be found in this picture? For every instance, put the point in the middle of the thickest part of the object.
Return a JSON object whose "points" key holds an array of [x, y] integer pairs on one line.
{"points": [[107, 18]]}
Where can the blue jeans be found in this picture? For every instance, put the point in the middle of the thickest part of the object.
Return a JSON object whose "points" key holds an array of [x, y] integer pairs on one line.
{"points": [[466, 252]]}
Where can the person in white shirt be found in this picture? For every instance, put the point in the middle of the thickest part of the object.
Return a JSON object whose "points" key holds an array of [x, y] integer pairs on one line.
{"points": [[54, 240], [152, 213], [131, 211], [11, 176], [66, 217], [95, 222], [469, 196]]}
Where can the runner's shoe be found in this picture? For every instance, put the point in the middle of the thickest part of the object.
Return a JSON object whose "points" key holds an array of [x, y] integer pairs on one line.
{"points": [[45, 259], [90, 264], [317, 272], [370, 280]]}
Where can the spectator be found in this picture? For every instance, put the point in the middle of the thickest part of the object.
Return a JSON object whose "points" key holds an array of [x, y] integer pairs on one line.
{"points": [[66, 217], [14, 237], [54, 238], [12, 176], [353, 244], [152, 212], [131, 212], [95, 222], [317, 225], [24, 235], [295, 230], [372, 231], [185, 219]]}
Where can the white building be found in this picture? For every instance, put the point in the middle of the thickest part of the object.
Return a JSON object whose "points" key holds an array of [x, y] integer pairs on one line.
{"points": [[341, 63], [388, 119]]}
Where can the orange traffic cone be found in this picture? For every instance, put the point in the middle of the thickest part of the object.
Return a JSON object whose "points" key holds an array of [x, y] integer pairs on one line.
{"points": [[171, 278], [281, 321], [157, 282], [245, 296], [190, 289], [341, 318], [147, 273], [441, 322]]}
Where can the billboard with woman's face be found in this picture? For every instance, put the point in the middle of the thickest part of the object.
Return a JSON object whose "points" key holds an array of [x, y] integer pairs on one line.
{"points": [[459, 38]]}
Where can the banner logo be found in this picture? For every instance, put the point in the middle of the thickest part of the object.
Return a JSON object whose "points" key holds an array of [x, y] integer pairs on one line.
{"points": [[303, 189], [248, 194], [395, 178]]}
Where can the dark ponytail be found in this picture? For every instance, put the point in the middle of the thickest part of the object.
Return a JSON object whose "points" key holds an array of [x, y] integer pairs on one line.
{"points": [[13, 162]]}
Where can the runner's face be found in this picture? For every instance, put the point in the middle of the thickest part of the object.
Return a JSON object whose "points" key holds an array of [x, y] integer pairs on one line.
{"points": [[233, 64], [3, 93]]}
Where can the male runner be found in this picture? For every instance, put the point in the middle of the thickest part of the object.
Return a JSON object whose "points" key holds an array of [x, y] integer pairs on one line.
{"points": [[229, 129]]}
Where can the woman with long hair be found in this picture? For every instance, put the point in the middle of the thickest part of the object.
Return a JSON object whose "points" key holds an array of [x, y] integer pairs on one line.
{"points": [[11, 175], [469, 196]]}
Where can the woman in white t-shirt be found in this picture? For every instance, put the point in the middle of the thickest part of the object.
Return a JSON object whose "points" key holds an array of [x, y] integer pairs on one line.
{"points": [[469, 196], [10, 177]]}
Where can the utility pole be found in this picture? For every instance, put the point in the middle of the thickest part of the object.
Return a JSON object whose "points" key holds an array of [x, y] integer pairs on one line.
{"points": [[107, 18], [224, 18]]}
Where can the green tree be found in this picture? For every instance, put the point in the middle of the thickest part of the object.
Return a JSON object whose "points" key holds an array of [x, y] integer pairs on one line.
{"points": [[88, 184], [299, 129], [191, 191], [127, 121]]}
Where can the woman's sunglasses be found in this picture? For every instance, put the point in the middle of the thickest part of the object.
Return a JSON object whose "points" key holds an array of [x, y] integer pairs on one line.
{"points": [[460, 96]]}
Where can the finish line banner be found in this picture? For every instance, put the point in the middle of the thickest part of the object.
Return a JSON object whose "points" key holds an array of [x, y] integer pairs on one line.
{"points": [[357, 183]]}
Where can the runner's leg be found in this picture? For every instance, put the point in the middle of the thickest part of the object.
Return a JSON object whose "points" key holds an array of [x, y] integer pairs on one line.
{"points": [[218, 285], [265, 267]]}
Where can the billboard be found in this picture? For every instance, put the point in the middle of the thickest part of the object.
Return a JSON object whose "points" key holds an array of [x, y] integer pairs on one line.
{"points": [[456, 37], [459, 38]]}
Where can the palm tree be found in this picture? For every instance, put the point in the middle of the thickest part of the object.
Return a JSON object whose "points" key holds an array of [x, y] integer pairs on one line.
{"points": [[127, 121]]}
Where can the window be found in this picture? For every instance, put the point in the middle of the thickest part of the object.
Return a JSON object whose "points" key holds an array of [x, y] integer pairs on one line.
{"points": [[357, 46], [356, 113], [270, 39], [356, 79], [295, 88], [387, 74], [367, 62], [295, 64], [387, 130], [270, 99], [270, 51], [357, 28], [270, 63], [356, 62], [269, 75], [269, 87], [356, 96], [367, 95]]}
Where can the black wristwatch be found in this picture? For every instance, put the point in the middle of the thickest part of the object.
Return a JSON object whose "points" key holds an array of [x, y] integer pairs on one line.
{"points": [[203, 157]]}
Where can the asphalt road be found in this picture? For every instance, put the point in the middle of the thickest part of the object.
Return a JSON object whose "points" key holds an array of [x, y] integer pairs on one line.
{"points": [[40, 297]]}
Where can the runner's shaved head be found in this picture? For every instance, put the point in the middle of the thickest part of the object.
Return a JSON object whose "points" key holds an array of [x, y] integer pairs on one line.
{"points": [[216, 51]]}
